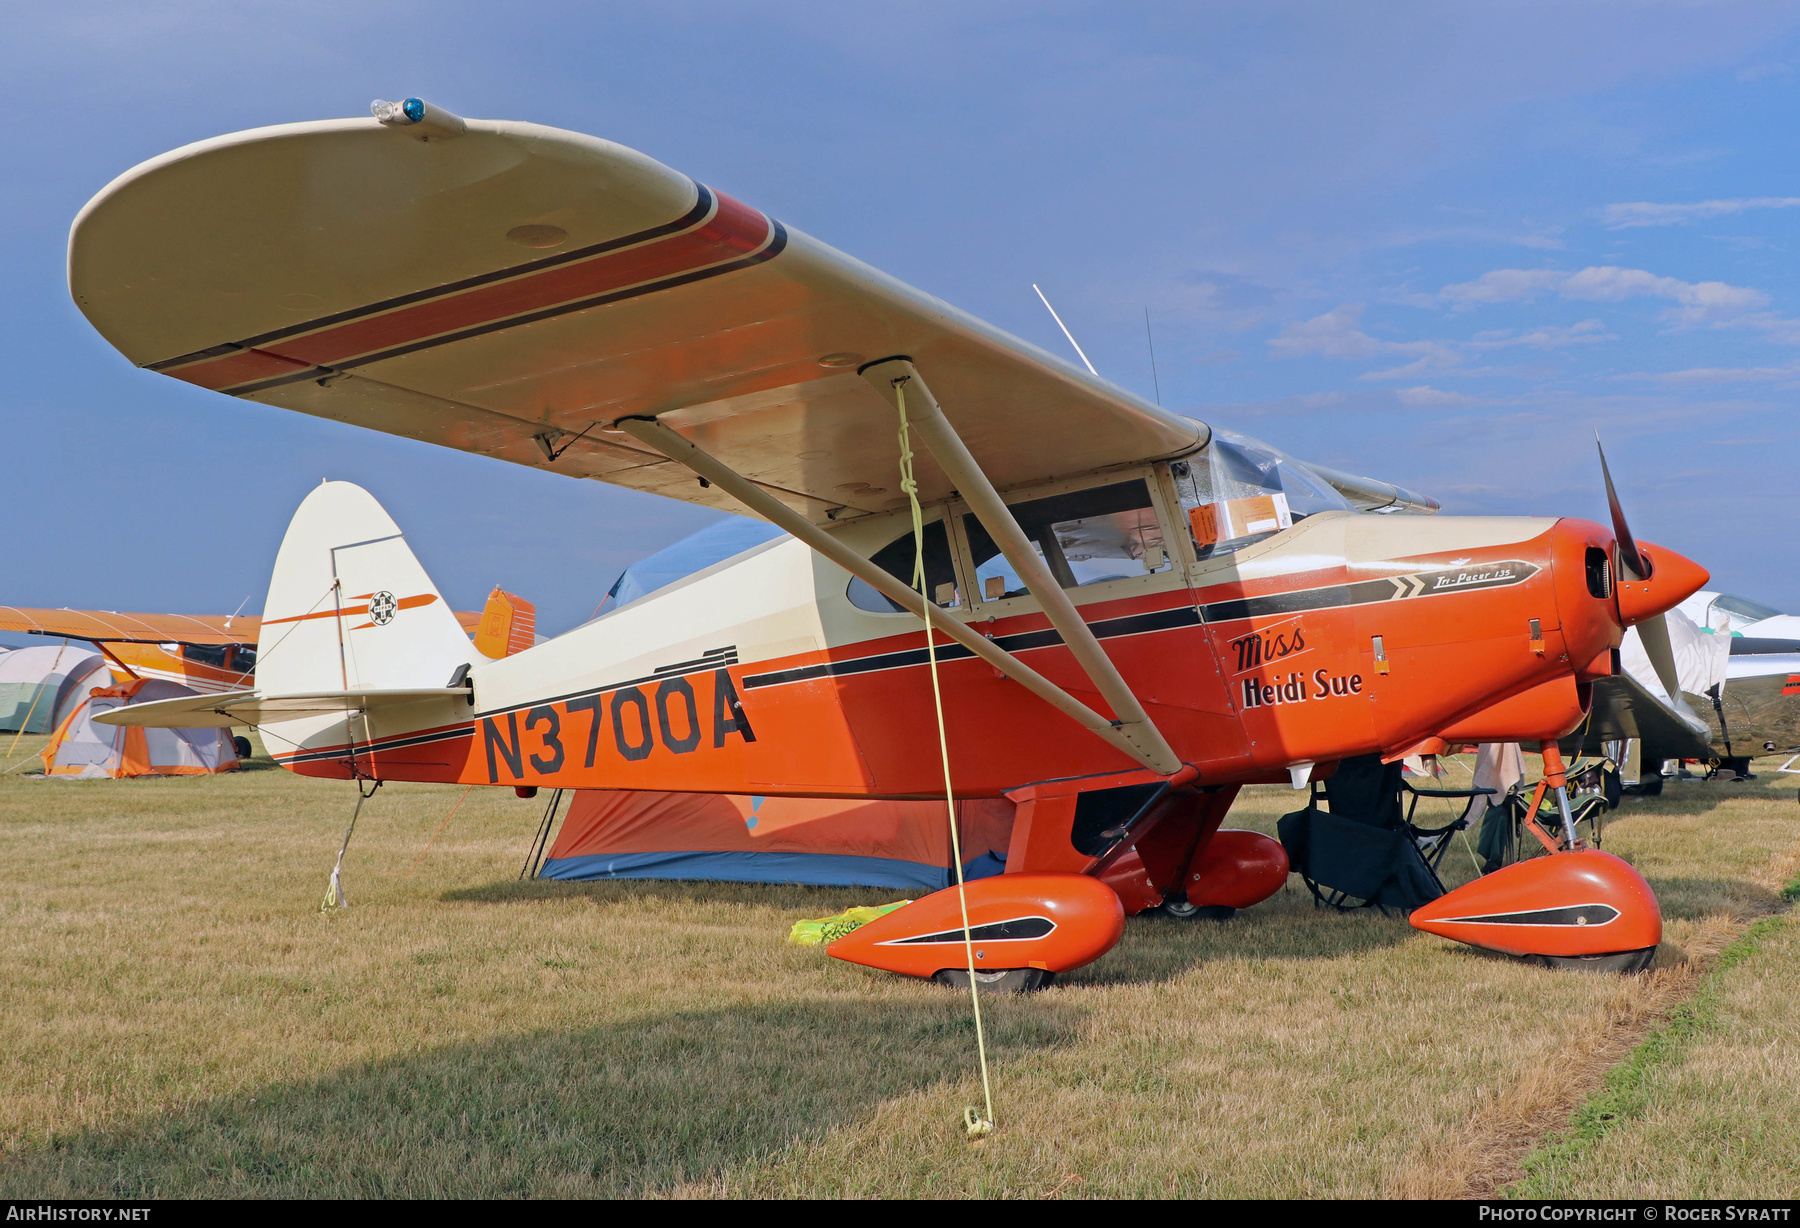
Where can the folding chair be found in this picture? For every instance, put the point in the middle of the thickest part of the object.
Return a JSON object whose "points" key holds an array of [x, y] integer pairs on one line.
{"points": [[1365, 851]]}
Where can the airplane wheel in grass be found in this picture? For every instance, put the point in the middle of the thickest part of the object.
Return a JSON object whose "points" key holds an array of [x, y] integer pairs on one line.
{"points": [[1181, 910], [1626, 962], [242, 746], [1000, 980]]}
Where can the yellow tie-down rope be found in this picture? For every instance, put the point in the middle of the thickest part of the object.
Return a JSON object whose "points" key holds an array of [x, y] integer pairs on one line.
{"points": [[977, 1124]]}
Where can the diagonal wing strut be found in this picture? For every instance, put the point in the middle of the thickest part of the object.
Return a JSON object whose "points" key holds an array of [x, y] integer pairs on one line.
{"points": [[960, 466], [1134, 735]]}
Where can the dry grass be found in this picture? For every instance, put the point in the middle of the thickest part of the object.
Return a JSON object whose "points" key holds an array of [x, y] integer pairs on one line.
{"points": [[176, 1018], [1716, 1119]]}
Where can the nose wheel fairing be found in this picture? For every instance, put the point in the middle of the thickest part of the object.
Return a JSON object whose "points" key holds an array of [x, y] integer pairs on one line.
{"points": [[1577, 907]]}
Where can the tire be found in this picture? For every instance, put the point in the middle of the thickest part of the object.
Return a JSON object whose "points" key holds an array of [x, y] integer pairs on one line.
{"points": [[1001, 980], [241, 744], [1652, 786], [1623, 962], [1612, 788], [1181, 910]]}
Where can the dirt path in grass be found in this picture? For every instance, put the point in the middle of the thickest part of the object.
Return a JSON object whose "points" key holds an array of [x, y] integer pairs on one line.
{"points": [[1488, 1152]]}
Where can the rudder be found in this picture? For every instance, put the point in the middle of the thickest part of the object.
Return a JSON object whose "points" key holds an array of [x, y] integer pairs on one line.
{"points": [[349, 605]]}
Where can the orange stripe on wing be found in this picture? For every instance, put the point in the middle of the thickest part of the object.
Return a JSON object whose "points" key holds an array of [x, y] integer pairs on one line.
{"points": [[733, 231]]}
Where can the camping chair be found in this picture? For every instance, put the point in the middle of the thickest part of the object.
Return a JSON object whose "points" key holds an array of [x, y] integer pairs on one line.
{"points": [[1437, 839], [1365, 850], [1502, 839]]}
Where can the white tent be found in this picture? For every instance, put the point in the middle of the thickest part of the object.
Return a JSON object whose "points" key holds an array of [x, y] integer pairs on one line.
{"points": [[39, 687], [86, 750]]}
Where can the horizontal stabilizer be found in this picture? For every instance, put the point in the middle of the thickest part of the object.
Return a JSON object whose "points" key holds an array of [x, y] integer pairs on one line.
{"points": [[254, 708]]}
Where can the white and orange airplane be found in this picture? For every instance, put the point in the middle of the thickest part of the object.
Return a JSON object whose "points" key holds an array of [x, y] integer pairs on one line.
{"points": [[209, 653], [215, 654], [1131, 615]]}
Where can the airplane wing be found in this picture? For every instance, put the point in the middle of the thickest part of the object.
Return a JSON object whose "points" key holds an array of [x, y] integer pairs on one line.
{"points": [[512, 290], [1623, 708], [106, 627], [252, 708]]}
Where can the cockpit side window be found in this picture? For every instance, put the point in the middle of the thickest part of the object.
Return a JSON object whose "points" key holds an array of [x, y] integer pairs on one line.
{"points": [[1084, 537], [897, 559], [205, 654], [1238, 491]]}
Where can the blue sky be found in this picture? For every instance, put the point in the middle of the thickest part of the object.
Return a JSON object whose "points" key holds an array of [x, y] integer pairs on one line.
{"points": [[1439, 244]]}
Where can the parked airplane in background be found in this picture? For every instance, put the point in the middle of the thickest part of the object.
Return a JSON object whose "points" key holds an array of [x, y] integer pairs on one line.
{"points": [[214, 653], [209, 653], [1143, 615], [1737, 693]]}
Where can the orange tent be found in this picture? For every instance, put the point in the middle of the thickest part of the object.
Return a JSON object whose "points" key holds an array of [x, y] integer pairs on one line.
{"points": [[732, 838], [85, 750]]}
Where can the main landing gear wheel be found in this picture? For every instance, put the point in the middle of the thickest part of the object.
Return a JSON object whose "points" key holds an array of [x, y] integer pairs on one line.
{"points": [[1000, 980], [1181, 910], [1624, 962]]}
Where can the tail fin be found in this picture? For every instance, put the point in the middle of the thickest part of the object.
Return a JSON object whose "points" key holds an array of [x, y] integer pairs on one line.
{"points": [[350, 607]]}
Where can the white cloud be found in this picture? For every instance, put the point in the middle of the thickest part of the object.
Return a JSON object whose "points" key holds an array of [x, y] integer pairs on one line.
{"points": [[1427, 397], [1645, 213], [1779, 328], [1333, 335], [1338, 334], [1720, 375], [1544, 337], [1696, 301], [1503, 286]]}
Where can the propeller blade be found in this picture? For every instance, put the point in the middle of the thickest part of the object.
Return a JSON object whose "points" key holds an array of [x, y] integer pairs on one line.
{"points": [[1628, 551], [1654, 632]]}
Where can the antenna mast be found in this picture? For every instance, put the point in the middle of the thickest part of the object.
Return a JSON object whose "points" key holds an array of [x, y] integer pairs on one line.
{"points": [[1155, 383], [1065, 328]]}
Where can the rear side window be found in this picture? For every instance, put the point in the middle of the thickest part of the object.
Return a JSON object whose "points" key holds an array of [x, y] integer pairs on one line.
{"points": [[897, 558], [1084, 537]]}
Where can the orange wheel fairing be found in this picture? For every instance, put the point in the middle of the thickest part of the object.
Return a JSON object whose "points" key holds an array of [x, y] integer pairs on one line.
{"points": [[1054, 922], [1565, 905]]}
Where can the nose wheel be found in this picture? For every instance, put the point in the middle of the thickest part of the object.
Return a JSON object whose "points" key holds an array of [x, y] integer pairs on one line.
{"points": [[1181, 910], [998, 980], [1626, 962]]}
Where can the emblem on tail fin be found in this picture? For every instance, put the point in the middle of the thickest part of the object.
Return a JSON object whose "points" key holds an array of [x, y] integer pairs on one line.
{"points": [[382, 607]]}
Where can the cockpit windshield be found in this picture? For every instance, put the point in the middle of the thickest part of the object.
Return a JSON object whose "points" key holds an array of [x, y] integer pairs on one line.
{"points": [[1239, 490], [1746, 610]]}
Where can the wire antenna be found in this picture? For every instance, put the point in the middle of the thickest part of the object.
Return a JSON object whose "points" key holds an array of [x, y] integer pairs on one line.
{"points": [[1154, 382], [1065, 328]]}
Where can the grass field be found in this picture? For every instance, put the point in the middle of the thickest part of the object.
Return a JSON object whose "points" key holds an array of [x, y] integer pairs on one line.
{"points": [[177, 1018]]}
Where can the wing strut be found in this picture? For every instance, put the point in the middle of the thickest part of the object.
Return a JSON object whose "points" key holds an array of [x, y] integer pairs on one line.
{"points": [[680, 449], [960, 466]]}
